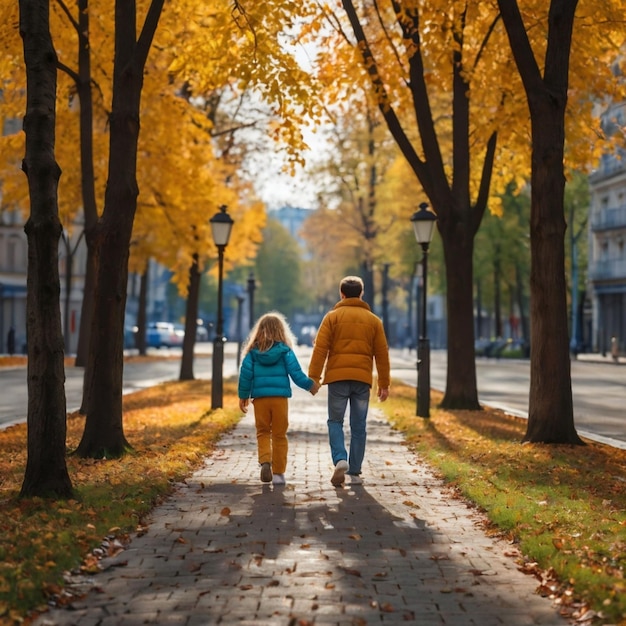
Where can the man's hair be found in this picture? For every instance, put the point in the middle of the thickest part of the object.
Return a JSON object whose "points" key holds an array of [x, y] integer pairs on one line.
{"points": [[351, 286]]}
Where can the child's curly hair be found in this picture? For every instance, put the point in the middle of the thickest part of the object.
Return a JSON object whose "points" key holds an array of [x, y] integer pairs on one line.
{"points": [[269, 329]]}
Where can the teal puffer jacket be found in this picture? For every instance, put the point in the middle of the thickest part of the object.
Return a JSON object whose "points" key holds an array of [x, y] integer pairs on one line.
{"points": [[266, 374]]}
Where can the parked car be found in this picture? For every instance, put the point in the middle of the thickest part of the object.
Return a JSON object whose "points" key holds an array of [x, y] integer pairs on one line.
{"points": [[164, 335], [202, 334], [502, 348], [306, 336]]}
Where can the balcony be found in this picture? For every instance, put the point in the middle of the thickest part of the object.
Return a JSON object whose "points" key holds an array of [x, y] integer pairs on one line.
{"points": [[609, 219], [608, 270]]}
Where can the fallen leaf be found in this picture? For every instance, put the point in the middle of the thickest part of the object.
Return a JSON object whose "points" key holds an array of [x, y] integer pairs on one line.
{"points": [[352, 572]]}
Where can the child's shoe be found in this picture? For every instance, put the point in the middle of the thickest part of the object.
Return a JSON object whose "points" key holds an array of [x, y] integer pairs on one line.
{"points": [[278, 479], [266, 473]]}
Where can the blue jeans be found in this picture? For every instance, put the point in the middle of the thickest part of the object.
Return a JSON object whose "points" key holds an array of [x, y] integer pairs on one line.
{"points": [[358, 395]]}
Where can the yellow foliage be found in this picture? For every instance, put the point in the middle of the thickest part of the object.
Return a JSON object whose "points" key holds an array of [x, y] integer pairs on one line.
{"points": [[470, 33], [207, 60]]}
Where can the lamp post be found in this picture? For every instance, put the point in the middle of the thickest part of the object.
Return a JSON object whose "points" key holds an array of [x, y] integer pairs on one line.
{"points": [[251, 288], [423, 226], [240, 299], [221, 225]]}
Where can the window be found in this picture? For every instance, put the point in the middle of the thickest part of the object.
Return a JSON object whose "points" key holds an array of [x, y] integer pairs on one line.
{"points": [[604, 250]]}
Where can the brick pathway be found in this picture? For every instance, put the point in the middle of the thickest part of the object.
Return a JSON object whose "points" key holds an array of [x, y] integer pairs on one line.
{"points": [[228, 549]]}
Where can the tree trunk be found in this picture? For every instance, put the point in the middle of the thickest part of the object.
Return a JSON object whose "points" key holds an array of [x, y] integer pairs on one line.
{"points": [[479, 310], [497, 299], [191, 317], [368, 282], [550, 411], [521, 304], [142, 316], [83, 89], [103, 436], [46, 471], [86, 311], [461, 389], [69, 261]]}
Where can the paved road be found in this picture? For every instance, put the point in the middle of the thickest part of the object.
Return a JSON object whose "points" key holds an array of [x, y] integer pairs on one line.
{"points": [[598, 390], [14, 393]]}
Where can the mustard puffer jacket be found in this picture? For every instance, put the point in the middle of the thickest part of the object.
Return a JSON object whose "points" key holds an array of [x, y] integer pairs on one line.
{"points": [[349, 338]]}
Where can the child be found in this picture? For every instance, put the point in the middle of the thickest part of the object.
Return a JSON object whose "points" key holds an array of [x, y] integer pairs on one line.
{"points": [[268, 364]]}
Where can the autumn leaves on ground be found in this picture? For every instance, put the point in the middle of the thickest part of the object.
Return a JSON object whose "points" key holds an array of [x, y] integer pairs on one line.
{"points": [[564, 506], [171, 428]]}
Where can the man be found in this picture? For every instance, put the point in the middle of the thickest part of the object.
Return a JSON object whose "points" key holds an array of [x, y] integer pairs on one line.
{"points": [[349, 338]]}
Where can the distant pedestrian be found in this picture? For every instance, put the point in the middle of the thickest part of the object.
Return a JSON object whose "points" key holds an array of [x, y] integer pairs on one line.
{"points": [[349, 339], [615, 349], [269, 362], [11, 341]]}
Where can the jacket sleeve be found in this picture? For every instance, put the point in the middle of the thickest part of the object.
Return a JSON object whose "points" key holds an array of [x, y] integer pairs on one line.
{"points": [[320, 350], [381, 355], [244, 387], [295, 371]]}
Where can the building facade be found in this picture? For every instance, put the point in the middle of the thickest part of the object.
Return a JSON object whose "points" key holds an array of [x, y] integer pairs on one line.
{"points": [[13, 278], [13, 266], [607, 246]]}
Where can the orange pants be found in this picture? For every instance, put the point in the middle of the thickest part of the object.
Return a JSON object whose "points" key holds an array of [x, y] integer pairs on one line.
{"points": [[271, 417]]}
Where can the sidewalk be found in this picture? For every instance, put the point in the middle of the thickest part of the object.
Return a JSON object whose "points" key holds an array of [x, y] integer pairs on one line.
{"points": [[227, 549]]}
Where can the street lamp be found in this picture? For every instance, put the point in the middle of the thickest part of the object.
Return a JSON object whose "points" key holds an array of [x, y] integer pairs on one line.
{"points": [[423, 225], [251, 288], [240, 299], [221, 225]]}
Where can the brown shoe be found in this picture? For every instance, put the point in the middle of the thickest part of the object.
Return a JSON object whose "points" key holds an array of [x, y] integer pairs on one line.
{"points": [[266, 473]]}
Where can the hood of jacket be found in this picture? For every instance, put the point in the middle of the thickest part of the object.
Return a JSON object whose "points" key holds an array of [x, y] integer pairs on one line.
{"points": [[271, 356]]}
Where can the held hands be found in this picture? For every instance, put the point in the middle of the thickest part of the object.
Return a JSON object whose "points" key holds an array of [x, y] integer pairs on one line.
{"points": [[383, 394], [243, 404], [315, 388]]}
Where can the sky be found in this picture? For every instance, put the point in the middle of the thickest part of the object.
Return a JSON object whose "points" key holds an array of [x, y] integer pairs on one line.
{"points": [[277, 188]]}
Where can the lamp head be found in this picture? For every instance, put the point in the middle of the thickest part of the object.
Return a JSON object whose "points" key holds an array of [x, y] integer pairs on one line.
{"points": [[221, 225], [423, 224]]}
